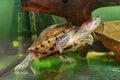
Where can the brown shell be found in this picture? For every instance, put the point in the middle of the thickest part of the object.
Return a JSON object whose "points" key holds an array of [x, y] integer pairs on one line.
{"points": [[109, 34], [55, 31], [45, 44]]}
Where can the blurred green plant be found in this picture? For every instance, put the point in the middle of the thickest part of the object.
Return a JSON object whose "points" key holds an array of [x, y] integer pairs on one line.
{"points": [[45, 20]]}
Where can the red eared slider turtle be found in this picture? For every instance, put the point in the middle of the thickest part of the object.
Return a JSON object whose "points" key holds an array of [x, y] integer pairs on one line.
{"points": [[109, 35], [58, 39]]}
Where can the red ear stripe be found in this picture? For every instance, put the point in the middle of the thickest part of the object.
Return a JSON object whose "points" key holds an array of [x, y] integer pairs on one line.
{"points": [[87, 22]]}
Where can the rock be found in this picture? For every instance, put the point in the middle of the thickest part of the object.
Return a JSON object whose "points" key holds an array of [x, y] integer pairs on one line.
{"points": [[109, 35], [76, 11]]}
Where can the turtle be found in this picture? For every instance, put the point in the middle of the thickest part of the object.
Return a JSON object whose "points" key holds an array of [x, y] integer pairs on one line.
{"points": [[59, 39], [109, 34]]}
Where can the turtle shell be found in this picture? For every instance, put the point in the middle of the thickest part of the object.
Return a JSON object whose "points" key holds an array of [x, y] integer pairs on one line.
{"points": [[109, 34], [45, 44], [56, 31]]}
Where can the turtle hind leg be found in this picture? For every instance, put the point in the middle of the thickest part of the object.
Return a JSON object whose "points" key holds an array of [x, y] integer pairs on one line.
{"points": [[66, 59], [20, 68]]}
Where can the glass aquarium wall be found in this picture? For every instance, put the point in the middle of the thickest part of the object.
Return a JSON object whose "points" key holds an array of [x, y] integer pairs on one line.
{"points": [[19, 28]]}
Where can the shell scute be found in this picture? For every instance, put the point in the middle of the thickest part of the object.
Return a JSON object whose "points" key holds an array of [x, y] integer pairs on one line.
{"points": [[55, 31]]}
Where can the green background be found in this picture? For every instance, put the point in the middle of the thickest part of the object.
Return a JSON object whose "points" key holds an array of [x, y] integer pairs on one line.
{"points": [[9, 13], [9, 36]]}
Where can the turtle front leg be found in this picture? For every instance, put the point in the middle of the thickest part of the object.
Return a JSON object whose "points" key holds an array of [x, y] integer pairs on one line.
{"points": [[59, 44], [89, 42], [20, 68]]}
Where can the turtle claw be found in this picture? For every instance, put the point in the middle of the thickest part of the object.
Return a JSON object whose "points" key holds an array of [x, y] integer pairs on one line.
{"points": [[20, 68], [66, 59]]}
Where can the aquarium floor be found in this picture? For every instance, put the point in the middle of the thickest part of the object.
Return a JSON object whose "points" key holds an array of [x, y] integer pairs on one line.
{"points": [[97, 66]]}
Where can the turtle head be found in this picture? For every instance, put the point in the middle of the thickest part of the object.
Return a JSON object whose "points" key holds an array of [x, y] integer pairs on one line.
{"points": [[92, 24], [96, 21], [87, 28]]}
